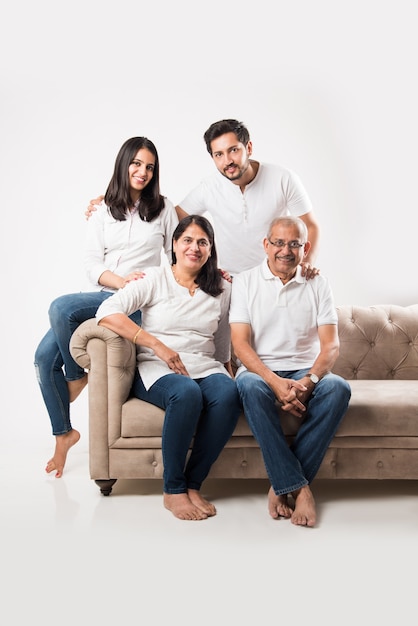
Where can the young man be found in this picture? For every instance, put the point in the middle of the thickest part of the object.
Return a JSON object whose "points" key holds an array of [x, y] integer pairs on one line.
{"points": [[243, 197], [284, 334]]}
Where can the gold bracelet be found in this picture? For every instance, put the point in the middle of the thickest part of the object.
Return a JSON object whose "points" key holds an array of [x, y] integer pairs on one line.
{"points": [[136, 334]]}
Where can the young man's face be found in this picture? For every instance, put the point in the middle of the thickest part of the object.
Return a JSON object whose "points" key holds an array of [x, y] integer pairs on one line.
{"points": [[230, 156]]}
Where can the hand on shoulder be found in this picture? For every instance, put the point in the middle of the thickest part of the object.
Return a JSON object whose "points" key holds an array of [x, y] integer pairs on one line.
{"points": [[92, 206], [308, 270]]}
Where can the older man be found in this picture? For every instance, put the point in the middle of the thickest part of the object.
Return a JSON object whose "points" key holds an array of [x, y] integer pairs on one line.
{"points": [[284, 333]]}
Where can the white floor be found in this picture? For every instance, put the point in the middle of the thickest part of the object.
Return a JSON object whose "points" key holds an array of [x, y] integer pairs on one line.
{"points": [[70, 555]]}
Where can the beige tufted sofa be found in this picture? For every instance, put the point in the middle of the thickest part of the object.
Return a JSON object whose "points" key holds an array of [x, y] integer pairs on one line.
{"points": [[378, 438]]}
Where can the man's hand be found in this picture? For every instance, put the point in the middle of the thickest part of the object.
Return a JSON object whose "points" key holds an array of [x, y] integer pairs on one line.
{"points": [[92, 206], [287, 392], [308, 270]]}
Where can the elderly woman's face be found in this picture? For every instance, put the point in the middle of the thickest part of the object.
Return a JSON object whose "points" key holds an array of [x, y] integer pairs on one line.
{"points": [[193, 248]]}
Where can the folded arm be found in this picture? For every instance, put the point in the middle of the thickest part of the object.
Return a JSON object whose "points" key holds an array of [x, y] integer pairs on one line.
{"points": [[125, 327]]}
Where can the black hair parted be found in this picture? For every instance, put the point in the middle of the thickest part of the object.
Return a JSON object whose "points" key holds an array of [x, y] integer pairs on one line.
{"points": [[118, 196], [209, 278]]}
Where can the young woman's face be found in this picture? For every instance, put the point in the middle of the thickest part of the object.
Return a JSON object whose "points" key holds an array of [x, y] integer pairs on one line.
{"points": [[141, 170], [192, 249]]}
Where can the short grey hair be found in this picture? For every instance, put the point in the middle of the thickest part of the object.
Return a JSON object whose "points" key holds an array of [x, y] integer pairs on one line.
{"points": [[289, 220]]}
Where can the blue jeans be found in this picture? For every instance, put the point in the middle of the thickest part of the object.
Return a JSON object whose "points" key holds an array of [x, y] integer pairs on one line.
{"points": [[206, 409], [291, 467], [54, 364]]}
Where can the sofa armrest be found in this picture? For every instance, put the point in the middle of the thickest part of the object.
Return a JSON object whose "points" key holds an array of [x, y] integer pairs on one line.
{"points": [[110, 361]]}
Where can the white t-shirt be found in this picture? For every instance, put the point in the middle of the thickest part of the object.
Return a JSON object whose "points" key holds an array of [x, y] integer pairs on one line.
{"points": [[241, 220], [284, 318], [126, 246], [196, 327]]}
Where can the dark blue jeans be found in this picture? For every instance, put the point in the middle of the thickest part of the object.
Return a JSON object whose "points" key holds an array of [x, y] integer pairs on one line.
{"points": [[291, 467], [54, 364], [206, 409]]}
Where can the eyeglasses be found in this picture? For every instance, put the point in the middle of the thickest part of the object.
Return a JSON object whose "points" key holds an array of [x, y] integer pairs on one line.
{"points": [[279, 243]]}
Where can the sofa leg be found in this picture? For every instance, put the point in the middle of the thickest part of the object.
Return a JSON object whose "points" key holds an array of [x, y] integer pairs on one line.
{"points": [[106, 485]]}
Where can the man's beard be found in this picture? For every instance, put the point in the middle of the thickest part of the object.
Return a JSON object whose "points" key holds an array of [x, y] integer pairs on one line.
{"points": [[241, 171]]}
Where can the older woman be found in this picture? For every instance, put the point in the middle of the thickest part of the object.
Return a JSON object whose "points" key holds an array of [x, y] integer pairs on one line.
{"points": [[183, 360]]}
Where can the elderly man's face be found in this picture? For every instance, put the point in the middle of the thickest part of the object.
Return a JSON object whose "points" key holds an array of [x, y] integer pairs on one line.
{"points": [[285, 249]]}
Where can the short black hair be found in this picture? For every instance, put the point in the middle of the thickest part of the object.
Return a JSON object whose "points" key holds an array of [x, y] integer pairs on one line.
{"points": [[222, 127]]}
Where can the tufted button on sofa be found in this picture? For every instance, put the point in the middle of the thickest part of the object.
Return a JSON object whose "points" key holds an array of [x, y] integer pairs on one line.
{"points": [[377, 439]]}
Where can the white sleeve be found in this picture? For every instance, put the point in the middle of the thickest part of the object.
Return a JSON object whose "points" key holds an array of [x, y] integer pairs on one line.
{"points": [[131, 298], [194, 202], [239, 311], [94, 264], [297, 199], [170, 221]]}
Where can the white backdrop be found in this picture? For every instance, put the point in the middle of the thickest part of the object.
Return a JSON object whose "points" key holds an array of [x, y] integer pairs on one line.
{"points": [[326, 88]]}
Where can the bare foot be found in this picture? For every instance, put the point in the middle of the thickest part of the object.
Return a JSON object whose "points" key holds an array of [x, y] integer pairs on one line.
{"points": [[182, 507], [278, 505], [305, 512], [75, 387], [62, 444], [202, 504]]}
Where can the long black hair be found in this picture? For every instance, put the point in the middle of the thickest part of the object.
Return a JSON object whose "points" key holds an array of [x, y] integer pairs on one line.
{"points": [[209, 278], [118, 195]]}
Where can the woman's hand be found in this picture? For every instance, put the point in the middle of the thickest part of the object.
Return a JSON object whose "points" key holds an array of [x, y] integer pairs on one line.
{"points": [[308, 270], [226, 275], [133, 276], [170, 357]]}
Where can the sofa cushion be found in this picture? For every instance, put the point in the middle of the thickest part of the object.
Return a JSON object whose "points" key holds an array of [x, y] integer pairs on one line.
{"points": [[375, 409], [381, 410]]}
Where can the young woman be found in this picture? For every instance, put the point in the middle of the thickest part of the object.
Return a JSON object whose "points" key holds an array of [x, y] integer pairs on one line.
{"points": [[184, 360], [127, 233]]}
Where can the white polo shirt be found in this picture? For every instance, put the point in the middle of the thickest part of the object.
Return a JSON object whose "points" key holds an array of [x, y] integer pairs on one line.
{"points": [[241, 220], [284, 318]]}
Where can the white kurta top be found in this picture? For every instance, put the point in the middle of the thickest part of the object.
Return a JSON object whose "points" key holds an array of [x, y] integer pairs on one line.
{"points": [[241, 220], [284, 318], [124, 247], [196, 327]]}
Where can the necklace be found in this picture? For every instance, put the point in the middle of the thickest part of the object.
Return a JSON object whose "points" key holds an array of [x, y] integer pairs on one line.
{"points": [[192, 290]]}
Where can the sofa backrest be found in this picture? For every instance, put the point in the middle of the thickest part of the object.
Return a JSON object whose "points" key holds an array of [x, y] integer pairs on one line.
{"points": [[378, 342]]}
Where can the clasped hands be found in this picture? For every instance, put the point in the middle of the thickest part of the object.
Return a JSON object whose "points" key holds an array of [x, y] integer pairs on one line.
{"points": [[291, 394]]}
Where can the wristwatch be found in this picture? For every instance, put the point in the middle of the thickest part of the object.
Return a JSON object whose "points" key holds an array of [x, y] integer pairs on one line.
{"points": [[314, 378]]}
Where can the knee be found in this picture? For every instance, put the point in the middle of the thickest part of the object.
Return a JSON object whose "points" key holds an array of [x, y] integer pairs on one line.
{"points": [[58, 309], [337, 386], [251, 385], [47, 354], [227, 393], [188, 393], [55, 309], [345, 390]]}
